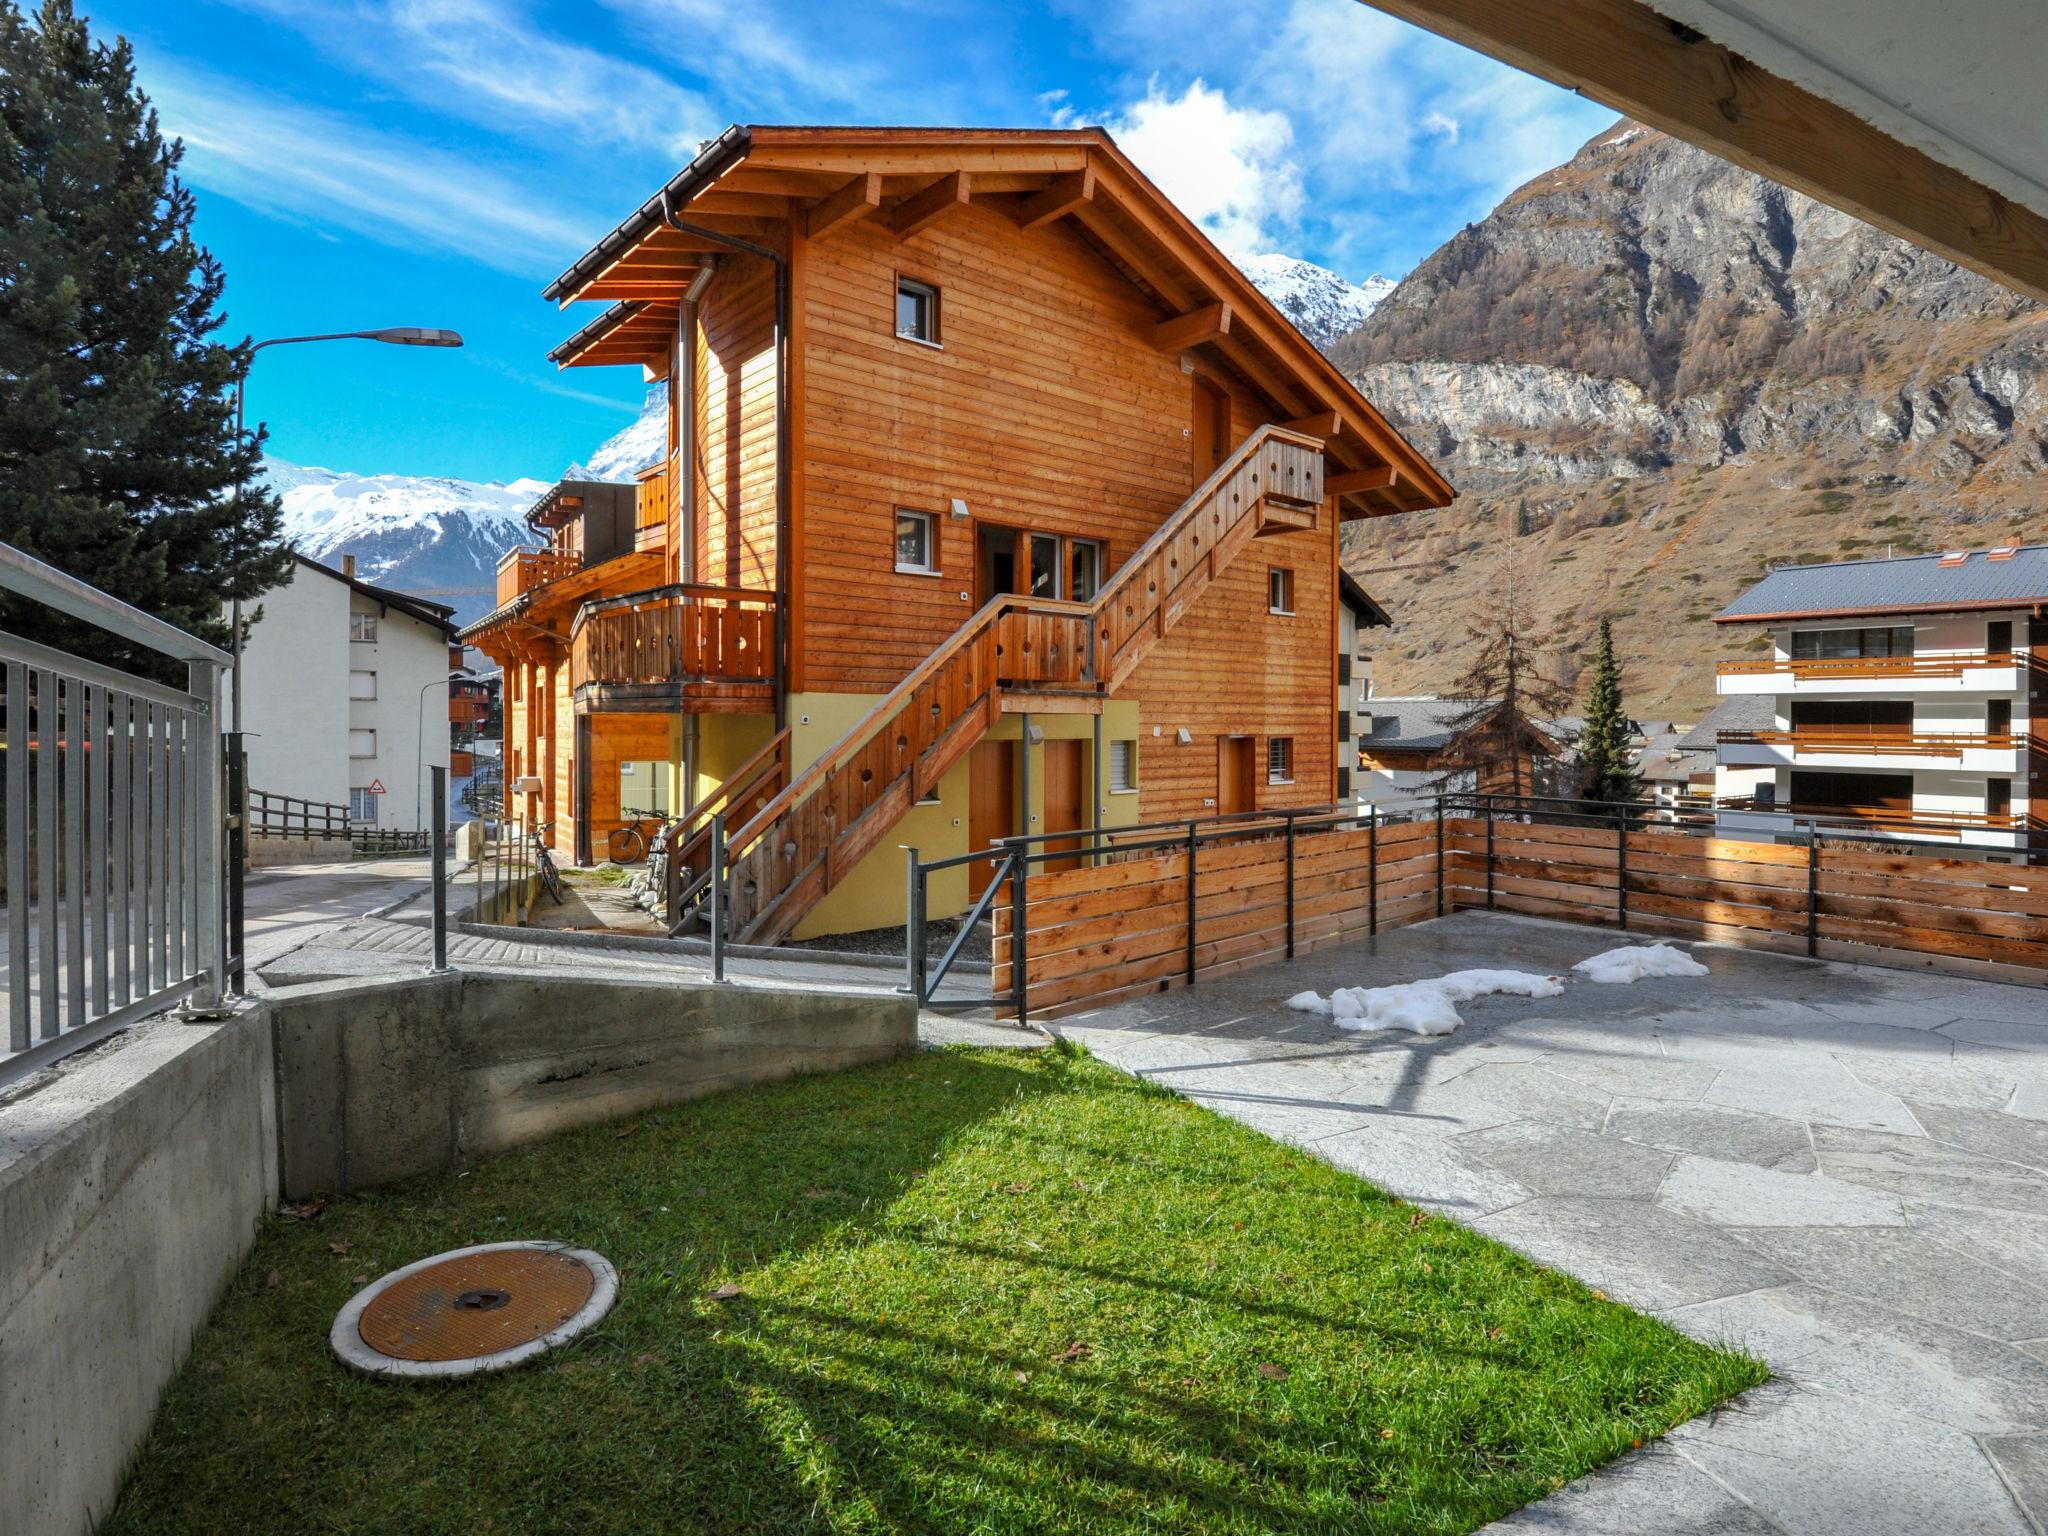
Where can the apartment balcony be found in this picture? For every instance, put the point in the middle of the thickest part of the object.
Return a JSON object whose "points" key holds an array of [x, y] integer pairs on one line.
{"points": [[697, 649], [1750, 814], [1936, 673], [653, 502], [528, 570], [1843, 746]]}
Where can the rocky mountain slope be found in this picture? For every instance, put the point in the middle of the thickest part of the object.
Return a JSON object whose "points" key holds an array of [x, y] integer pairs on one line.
{"points": [[1662, 374]]}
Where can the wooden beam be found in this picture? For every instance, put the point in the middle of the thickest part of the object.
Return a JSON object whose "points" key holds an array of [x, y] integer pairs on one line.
{"points": [[854, 201], [1351, 482], [1159, 276], [1323, 424], [1059, 199], [1278, 384], [1669, 76], [1208, 323], [923, 209]]}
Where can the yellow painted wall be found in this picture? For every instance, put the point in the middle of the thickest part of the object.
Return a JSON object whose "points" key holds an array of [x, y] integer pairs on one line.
{"points": [[874, 895], [724, 743]]}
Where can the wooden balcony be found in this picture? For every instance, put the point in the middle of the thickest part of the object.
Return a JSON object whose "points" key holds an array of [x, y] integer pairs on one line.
{"points": [[704, 650], [653, 503], [1861, 741], [528, 570], [1944, 664], [1926, 823]]}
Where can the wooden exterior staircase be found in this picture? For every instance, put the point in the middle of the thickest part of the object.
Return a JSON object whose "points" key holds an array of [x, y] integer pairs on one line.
{"points": [[1016, 653], [686, 843]]}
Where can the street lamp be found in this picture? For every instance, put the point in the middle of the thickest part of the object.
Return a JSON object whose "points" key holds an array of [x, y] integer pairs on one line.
{"points": [[419, 740], [394, 335]]}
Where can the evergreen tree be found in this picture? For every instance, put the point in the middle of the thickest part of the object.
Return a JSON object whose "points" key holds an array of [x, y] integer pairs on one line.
{"points": [[1604, 766], [118, 449]]}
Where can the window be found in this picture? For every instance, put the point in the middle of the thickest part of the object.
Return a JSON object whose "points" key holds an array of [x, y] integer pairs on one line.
{"points": [[1848, 644], [1279, 590], [917, 542], [1998, 797], [1045, 565], [362, 627], [362, 743], [917, 311], [1084, 569], [1123, 767], [1998, 637], [1280, 760], [362, 805], [362, 685]]}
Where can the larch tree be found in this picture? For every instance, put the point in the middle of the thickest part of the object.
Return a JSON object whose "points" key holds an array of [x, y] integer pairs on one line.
{"points": [[1506, 688], [1606, 771], [118, 448]]}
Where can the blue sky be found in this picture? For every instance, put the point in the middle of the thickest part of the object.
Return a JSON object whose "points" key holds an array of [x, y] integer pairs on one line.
{"points": [[434, 162]]}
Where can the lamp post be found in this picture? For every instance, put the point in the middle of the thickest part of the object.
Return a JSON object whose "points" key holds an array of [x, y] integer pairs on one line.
{"points": [[419, 741], [396, 336]]}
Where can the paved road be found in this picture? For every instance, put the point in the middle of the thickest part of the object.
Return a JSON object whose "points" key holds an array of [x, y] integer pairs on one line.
{"points": [[1841, 1168], [286, 905]]}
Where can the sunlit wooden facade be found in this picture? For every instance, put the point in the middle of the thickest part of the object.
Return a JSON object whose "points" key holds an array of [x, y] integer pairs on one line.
{"points": [[996, 500]]}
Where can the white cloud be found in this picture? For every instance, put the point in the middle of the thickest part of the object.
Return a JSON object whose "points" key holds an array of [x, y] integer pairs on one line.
{"points": [[1443, 127], [1227, 167], [321, 168]]}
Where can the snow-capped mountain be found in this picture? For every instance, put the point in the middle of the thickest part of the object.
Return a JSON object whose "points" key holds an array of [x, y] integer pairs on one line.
{"points": [[631, 449], [1322, 305]]}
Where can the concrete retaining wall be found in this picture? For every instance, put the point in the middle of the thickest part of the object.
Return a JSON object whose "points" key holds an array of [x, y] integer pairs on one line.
{"points": [[130, 1188], [383, 1080], [267, 851]]}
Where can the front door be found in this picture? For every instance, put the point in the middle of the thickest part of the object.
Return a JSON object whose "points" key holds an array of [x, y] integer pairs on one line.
{"points": [[991, 805], [995, 562], [1066, 798], [1210, 428], [1234, 763]]}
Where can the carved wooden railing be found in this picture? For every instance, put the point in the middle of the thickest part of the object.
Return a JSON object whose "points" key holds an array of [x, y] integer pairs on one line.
{"points": [[651, 506], [810, 836], [524, 570], [672, 634], [686, 841]]}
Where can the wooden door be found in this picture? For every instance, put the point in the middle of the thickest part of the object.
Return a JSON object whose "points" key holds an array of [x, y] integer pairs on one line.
{"points": [[1210, 429], [1066, 798], [1234, 762], [991, 805], [995, 562]]}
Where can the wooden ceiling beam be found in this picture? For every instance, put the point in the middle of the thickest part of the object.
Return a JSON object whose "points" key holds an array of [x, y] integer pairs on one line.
{"points": [[923, 209], [900, 159], [1323, 424], [720, 199], [1669, 76], [1208, 323], [1173, 288], [1059, 199], [1352, 482], [854, 201], [1276, 384]]}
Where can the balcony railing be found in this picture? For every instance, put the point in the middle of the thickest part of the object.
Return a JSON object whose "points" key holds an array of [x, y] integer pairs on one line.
{"points": [[1862, 741], [1931, 822], [675, 635], [1944, 664], [527, 570], [653, 502]]}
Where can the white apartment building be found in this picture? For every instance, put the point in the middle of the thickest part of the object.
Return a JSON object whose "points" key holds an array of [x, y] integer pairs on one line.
{"points": [[1905, 698], [344, 695], [1356, 613]]}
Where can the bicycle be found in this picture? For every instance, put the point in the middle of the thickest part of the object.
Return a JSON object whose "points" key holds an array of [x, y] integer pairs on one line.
{"points": [[550, 877], [628, 843]]}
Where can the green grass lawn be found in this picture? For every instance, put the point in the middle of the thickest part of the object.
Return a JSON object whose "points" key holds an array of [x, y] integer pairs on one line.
{"points": [[980, 1293]]}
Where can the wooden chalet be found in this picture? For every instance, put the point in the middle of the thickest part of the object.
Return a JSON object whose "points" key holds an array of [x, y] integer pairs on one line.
{"points": [[996, 500]]}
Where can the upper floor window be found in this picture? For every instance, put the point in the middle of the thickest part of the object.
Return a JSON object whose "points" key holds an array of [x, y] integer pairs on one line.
{"points": [[1279, 590], [1084, 569], [362, 685], [362, 626], [362, 743], [917, 542], [1848, 644], [1280, 760], [917, 311]]}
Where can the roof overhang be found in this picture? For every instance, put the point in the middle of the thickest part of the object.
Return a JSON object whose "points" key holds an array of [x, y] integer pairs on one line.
{"points": [[774, 185], [1923, 120], [2035, 606]]}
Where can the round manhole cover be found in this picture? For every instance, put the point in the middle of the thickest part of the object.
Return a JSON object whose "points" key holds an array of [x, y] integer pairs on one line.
{"points": [[476, 1309]]}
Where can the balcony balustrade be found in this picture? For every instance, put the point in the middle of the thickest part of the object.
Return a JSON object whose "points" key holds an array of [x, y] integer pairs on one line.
{"points": [[654, 500], [676, 644], [527, 570], [1862, 741], [1904, 820], [1941, 665]]}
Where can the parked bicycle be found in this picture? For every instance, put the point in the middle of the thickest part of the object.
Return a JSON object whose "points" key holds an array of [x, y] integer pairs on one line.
{"points": [[628, 843], [544, 856]]}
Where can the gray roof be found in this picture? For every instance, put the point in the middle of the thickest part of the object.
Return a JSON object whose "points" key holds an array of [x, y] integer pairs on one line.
{"points": [[1415, 724], [1737, 712], [1918, 584], [1666, 758]]}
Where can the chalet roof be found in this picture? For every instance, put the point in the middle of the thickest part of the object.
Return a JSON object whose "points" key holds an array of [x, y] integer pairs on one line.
{"points": [[1737, 712], [752, 181], [438, 615], [1360, 601], [1665, 759], [1415, 724], [2011, 578]]}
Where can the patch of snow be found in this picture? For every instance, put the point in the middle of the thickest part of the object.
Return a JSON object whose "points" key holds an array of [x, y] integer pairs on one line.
{"points": [[626, 452], [1427, 1007], [1322, 305], [1635, 961]]}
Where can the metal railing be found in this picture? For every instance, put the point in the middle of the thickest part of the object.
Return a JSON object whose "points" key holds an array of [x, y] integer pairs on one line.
{"points": [[113, 854]]}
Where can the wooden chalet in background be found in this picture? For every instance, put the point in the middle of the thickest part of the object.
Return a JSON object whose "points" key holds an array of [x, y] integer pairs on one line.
{"points": [[996, 500]]}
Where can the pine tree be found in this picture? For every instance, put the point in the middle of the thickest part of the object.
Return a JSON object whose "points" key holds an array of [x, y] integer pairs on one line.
{"points": [[118, 448], [1506, 688], [1605, 770]]}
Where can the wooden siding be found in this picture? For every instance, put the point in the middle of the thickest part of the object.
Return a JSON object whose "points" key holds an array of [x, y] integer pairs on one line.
{"points": [[734, 537], [1046, 406], [616, 739]]}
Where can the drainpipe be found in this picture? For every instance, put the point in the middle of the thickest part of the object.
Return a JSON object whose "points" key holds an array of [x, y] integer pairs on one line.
{"points": [[767, 253]]}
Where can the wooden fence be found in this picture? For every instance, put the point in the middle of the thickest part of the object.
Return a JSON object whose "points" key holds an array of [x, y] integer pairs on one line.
{"points": [[1285, 886]]}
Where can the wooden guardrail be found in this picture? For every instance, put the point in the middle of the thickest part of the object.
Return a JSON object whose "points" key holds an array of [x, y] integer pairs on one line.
{"points": [[1875, 742], [1939, 664], [274, 815], [526, 570], [669, 636]]}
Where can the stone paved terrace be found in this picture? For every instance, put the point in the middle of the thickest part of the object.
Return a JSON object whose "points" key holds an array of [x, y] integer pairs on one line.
{"points": [[1843, 1169]]}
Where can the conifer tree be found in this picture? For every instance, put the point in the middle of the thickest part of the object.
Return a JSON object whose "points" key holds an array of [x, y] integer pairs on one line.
{"points": [[1506, 687], [118, 448], [1605, 770]]}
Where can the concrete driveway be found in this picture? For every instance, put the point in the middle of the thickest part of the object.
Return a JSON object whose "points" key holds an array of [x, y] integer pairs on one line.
{"points": [[287, 904], [1843, 1169]]}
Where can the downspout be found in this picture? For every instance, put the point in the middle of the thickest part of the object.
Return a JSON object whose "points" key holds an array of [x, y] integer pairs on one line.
{"points": [[782, 301]]}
